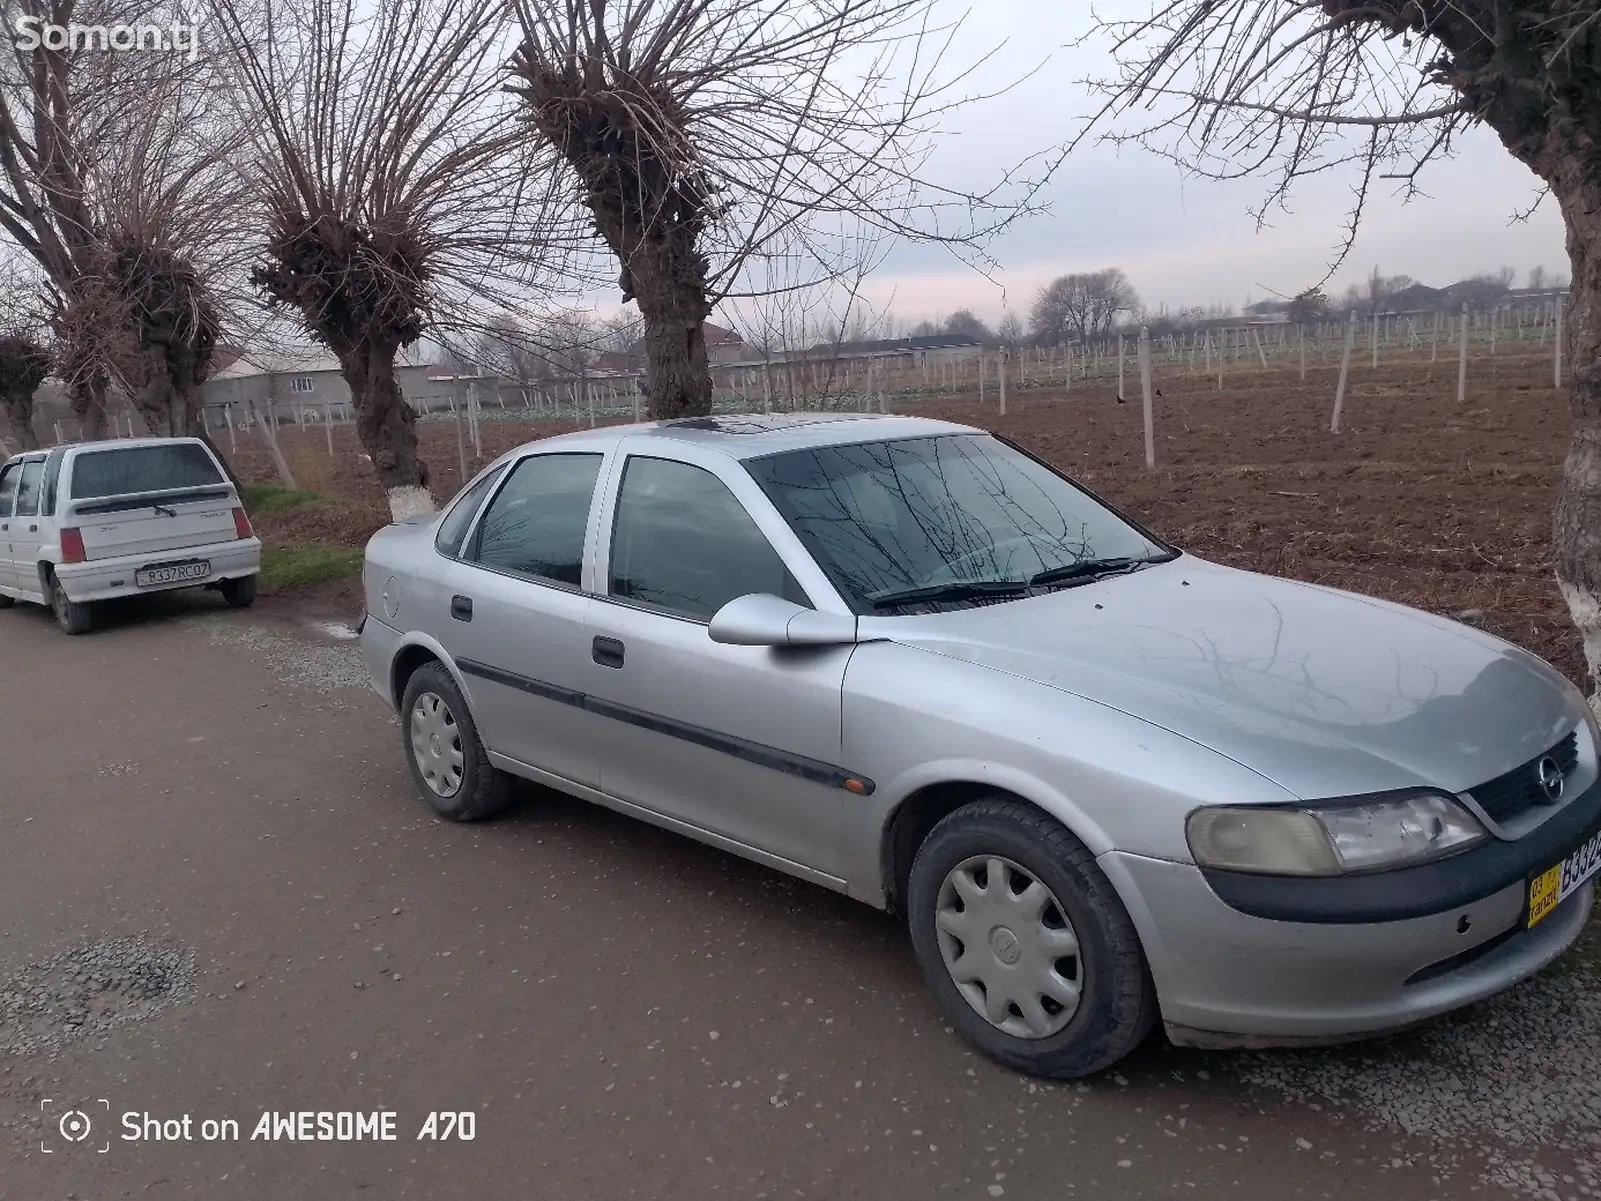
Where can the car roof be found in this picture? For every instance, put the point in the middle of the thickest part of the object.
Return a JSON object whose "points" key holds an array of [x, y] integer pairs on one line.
{"points": [[755, 435], [101, 444]]}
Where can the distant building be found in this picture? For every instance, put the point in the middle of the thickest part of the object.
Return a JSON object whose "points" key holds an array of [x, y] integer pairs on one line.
{"points": [[933, 348], [723, 346], [298, 380]]}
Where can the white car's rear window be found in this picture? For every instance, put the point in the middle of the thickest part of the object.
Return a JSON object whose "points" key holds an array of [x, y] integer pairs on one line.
{"points": [[133, 469]]}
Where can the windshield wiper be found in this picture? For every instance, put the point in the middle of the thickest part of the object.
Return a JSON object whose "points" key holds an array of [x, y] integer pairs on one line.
{"points": [[1087, 571], [935, 593]]}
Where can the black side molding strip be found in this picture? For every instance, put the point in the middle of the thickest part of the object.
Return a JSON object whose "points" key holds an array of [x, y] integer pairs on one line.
{"points": [[758, 753], [1410, 892], [550, 692]]}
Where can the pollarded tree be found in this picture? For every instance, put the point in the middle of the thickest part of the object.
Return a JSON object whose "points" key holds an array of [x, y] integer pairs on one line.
{"points": [[24, 364], [394, 198], [57, 109], [703, 138], [153, 292], [1383, 87]]}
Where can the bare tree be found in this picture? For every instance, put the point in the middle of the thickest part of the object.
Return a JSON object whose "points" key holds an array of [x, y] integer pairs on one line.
{"points": [[388, 165], [1537, 279], [1383, 87], [58, 107], [1309, 305], [1010, 331], [165, 274], [700, 136], [1081, 306], [963, 322]]}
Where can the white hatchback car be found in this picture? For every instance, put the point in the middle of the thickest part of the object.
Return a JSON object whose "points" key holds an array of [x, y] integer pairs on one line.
{"points": [[99, 520]]}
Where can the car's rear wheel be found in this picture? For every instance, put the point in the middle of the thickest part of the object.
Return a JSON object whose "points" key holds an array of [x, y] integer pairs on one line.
{"points": [[239, 593], [71, 616], [447, 757], [7, 601], [1025, 942]]}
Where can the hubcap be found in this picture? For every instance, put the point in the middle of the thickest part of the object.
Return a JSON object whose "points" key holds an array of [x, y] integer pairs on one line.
{"points": [[436, 744], [1009, 947]]}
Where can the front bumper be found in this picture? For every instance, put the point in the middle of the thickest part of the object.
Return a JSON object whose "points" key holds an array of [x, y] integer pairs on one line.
{"points": [[105, 579], [1227, 978]]}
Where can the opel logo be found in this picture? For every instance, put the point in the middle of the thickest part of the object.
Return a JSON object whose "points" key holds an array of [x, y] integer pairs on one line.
{"points": [[1549, 773], [1005, 945]]}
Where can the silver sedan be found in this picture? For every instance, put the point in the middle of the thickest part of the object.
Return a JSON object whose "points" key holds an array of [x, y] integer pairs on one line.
{"points": [[1105, 782]]}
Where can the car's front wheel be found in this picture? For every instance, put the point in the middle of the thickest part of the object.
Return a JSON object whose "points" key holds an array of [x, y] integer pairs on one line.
{"points": [[1025, 942], [447, 758]]}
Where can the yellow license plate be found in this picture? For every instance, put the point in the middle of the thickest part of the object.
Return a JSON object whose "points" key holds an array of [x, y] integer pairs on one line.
{"points": [[1561, 880], [1544, 890]]}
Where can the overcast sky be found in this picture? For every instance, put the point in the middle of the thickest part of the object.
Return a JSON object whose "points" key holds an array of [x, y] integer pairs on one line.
{"points": [[1188, 240]]}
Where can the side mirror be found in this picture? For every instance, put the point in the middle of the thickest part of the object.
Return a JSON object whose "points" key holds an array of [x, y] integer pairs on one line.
{"points": [[760, 619]]}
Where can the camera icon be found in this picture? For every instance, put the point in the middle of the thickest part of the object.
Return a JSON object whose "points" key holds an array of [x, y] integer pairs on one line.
{"points": [[70, 1127]]}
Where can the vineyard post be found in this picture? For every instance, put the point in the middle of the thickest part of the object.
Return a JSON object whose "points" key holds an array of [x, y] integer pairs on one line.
{"points": [[1301, 338], [1373, 338], [327, 425], [1345, 371], [1493, 324], [1120, 366], [1434, 346], [1462, 359], [461, 444], [1558, 373], [1000, 371], [1145, 387], [981, 377], [1260, 351]]}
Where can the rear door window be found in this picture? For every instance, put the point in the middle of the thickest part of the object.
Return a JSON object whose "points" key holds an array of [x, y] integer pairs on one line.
{"points": [[133, 469], [453, 529], [8, 488], [536, 523], [28, 488]]}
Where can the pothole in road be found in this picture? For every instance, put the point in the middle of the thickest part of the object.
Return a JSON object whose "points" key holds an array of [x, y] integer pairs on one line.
{"points": [[90, 990], [1515, 1080]]}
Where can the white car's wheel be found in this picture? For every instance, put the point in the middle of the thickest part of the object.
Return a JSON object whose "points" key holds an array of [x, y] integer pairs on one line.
{"points": [[72, 617], [1025, 943]]}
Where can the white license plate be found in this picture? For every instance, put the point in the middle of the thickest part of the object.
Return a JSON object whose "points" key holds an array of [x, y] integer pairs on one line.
{"points": [[1561, 880], [172, 573]]}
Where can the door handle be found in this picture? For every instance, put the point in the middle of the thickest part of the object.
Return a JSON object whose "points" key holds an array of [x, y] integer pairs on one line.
{"points": [[33, 529], [461, 608], [608, 652]]}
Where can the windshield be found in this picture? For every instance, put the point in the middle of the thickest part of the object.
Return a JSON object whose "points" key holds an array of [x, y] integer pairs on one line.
{"points": [[937, 515]]}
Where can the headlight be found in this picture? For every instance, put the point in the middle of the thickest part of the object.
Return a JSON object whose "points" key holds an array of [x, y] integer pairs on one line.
{"points": [[1392, 831]]}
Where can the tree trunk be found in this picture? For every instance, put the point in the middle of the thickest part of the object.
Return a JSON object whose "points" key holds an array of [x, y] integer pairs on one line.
{"points": [[19, 412], [388, 429], [1576, 532], [88, 399], [669, 281]]}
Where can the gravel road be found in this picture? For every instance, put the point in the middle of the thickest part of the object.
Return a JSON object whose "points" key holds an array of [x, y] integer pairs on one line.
{"points": [[222, 899]]}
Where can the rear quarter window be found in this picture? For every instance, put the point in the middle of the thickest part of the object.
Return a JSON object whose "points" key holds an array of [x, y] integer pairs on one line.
{"points": [[130, 469]]}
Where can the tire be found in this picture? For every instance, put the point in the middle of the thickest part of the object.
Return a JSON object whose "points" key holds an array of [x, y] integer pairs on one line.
{"points": [[7, 601], [1115, 1006], [71, 616], [239, 593], [480, 790]]}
